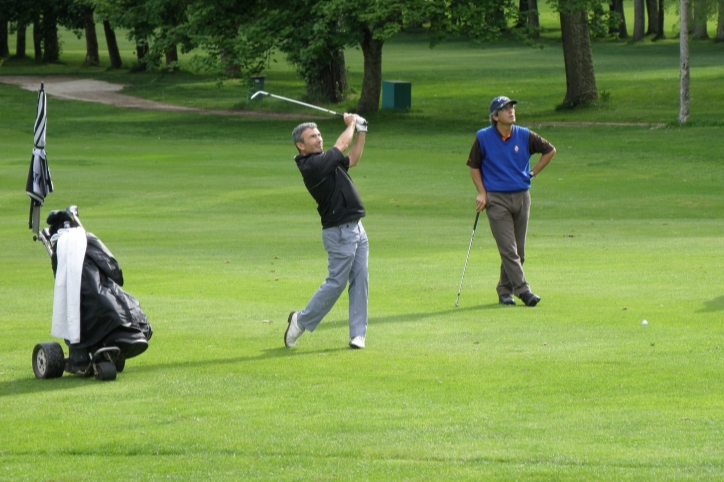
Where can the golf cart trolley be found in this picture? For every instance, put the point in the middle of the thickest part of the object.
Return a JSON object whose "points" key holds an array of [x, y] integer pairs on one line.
{"points": [[113, 328]]}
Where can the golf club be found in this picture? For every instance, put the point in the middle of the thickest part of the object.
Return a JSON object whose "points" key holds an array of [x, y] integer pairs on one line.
{"points": [[477, 216], [261, 92]]}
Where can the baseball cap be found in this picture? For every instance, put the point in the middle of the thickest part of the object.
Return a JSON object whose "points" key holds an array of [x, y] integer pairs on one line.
{"points": [[499, 102]]}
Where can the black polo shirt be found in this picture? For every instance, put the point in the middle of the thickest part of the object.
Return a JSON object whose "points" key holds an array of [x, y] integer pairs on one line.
{"points": [[325, 176]]}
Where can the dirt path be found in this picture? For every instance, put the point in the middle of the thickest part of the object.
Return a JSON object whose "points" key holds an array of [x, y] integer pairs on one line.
{"points": [[89, 90], [106, 93]]}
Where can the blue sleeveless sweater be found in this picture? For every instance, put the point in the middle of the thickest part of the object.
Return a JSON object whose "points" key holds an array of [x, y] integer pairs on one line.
{"points": [[505, 166]]}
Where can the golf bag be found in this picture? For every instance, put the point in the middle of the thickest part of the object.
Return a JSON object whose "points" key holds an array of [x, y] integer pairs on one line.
{"points": [[113, 328]]}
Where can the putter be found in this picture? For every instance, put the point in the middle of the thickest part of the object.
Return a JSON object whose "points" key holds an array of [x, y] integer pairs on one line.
{"points": [[261, 92], [477, 216]]}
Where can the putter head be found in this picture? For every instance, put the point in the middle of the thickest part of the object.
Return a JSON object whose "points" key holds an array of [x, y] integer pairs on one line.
{"points": [[258, 93]]}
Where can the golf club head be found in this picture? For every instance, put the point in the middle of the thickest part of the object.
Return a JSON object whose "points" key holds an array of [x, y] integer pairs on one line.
{"points": [[258, 93]]}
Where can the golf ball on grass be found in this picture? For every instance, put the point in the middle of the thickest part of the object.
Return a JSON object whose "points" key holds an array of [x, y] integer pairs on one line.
{"points": [[644, 322]]}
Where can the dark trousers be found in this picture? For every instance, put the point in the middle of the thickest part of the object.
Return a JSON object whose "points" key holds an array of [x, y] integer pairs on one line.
{"points": [[508, 216]]}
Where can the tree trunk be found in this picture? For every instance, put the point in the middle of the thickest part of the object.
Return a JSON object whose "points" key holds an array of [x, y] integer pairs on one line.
{"points": [[369, 100], [684, 62], [91, 40], [639, 20], [51, 45], [38, 41], [20, 45], [172, 56], [652, 11], [700, 18], [578, 59], [522, 17], [231, 69], [4, 46], [617, 7], [533, 19], [113, 51], [332, 81], [495, 17], [720, 22], [661, 34], [141, 52]]}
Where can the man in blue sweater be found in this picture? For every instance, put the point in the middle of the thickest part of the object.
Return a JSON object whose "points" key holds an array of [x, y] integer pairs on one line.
{"points": [[499, 164]]}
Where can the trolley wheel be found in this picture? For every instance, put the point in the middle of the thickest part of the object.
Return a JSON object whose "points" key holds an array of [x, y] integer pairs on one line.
{"points": [[48, 360], [120, 363], [105, 371]]}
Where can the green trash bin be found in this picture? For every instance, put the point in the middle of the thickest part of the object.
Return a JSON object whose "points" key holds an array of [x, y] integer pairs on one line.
{"points": [[396, 94], [256, 83]]}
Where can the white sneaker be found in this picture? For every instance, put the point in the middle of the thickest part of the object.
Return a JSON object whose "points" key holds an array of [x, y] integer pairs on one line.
{"points": [[294, 330], [357, 342]]}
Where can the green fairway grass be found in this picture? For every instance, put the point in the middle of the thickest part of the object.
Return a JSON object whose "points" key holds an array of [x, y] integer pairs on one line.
{"points": [[219, 240]]}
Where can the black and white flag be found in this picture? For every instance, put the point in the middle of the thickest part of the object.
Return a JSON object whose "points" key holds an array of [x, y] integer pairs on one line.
{"points": [[39, 183]]}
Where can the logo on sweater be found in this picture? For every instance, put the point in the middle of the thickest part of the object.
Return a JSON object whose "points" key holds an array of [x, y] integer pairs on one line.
{"points": [[516, 148]]}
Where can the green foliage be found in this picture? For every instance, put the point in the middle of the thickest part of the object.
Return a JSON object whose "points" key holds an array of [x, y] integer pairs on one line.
{"points": [[480, 20], [600, 17], [220, 29], [314, 43]]}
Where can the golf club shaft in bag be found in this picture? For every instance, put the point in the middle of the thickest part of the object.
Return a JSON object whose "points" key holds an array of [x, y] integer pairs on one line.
{"points": [[477, 216], [261, 92]]}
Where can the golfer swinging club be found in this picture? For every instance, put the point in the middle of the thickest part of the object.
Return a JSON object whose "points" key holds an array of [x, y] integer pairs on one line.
{"points": [[340, 207], [499, 164]]}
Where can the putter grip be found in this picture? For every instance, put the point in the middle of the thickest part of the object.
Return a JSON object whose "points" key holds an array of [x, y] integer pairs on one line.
{"points": [[475, 226]]}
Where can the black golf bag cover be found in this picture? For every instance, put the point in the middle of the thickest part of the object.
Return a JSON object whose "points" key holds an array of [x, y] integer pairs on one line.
{"points": [[107, 312]]}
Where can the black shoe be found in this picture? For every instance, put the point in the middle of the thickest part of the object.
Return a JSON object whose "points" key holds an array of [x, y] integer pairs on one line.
{"points": [[529, 298], [506, 299]]}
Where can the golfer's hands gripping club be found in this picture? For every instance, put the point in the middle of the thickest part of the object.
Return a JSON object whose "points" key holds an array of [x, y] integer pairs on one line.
{"points": [[481, 202], [361, 124]]}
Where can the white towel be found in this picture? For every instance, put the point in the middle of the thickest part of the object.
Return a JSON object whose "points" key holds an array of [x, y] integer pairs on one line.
{"points": [[70, 251]]}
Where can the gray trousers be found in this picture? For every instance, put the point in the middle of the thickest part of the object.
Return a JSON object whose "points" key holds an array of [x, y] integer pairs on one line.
{"points": [[508, 216], [347, 254]]}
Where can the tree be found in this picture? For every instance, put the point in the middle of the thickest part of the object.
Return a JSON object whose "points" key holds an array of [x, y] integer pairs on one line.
{"points": [[79, 17], [720, 22], [371, 24], [8, 14], [49, 29], [701, 14], [660, 34], [577, 54], [4, 46], [37, 40], [684, 62], [113, 51], [599, 21], [170, 16], [92, 56], [639, 20], [138, 16], [522, 14], [21, 14], [617, 8], [221, 29], [20, 44], [652, 12], [375, 22], [533, 20], [527, 18], [314, 43]]}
